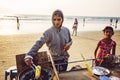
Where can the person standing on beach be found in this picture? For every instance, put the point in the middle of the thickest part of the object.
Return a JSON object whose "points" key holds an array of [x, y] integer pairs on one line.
{"points": [[83, 22], [58, 41], [75, 26], [111, 20], [18, 23], [106, 48], [116, 23]]}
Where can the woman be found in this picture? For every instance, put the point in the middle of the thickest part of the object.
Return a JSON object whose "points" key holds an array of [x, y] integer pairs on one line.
{"points": [[75, 26], [58, 41]]}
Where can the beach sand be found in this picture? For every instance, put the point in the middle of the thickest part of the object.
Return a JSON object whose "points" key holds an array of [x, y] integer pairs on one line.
{"points": [[84, 43]]}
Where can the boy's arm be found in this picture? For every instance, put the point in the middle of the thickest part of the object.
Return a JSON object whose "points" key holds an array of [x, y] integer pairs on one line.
{"points": [[95, 52], [114, 49]]}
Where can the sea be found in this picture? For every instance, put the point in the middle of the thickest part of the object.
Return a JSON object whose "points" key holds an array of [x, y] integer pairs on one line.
{"points": [[39, 23]]}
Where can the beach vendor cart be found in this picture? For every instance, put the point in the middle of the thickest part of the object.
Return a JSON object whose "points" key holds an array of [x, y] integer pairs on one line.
{"points": [[75, 73]]}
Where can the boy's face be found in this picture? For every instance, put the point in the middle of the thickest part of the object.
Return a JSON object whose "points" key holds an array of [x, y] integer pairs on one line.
{"points": [[57, 21], [108, 33]]}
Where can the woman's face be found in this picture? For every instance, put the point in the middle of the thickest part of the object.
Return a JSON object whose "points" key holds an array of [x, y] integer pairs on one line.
{"points": [[57, 21]]}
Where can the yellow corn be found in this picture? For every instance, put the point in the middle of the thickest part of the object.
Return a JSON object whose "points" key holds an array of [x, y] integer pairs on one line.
{"points": [[88, 66], [37, 72]]}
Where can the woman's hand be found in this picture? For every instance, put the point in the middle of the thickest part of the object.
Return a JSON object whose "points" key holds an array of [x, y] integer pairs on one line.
{"points": [[28, 61], [66, 47]]}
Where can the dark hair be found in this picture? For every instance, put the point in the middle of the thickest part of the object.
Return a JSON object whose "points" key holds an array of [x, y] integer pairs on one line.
{"points": [[108, 27]]}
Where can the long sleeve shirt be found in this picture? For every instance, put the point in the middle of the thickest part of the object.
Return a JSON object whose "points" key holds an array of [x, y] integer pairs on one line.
{"points": [[55, 39]]}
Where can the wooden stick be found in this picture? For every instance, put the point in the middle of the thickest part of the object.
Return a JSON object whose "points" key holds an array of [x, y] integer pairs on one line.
{"points": [[53, 65]]}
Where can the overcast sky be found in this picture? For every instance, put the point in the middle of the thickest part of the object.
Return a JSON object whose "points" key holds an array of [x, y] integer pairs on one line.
{"points": [[109, 8]]}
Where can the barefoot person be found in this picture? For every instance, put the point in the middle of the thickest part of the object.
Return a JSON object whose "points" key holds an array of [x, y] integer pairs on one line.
{"points": [[75, 26], [111, 20], [83, 22], [116, 23], [18, 23]]}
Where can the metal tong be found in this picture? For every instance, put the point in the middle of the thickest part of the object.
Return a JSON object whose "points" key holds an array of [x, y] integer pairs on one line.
{"points": [[37, 70]]}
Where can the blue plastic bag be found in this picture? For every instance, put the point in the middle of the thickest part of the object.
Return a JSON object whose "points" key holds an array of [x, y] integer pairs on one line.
{"points": [[103, 77]]}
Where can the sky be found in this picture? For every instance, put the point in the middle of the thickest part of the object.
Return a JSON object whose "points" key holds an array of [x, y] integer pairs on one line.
{"points": [[109, 8]]}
